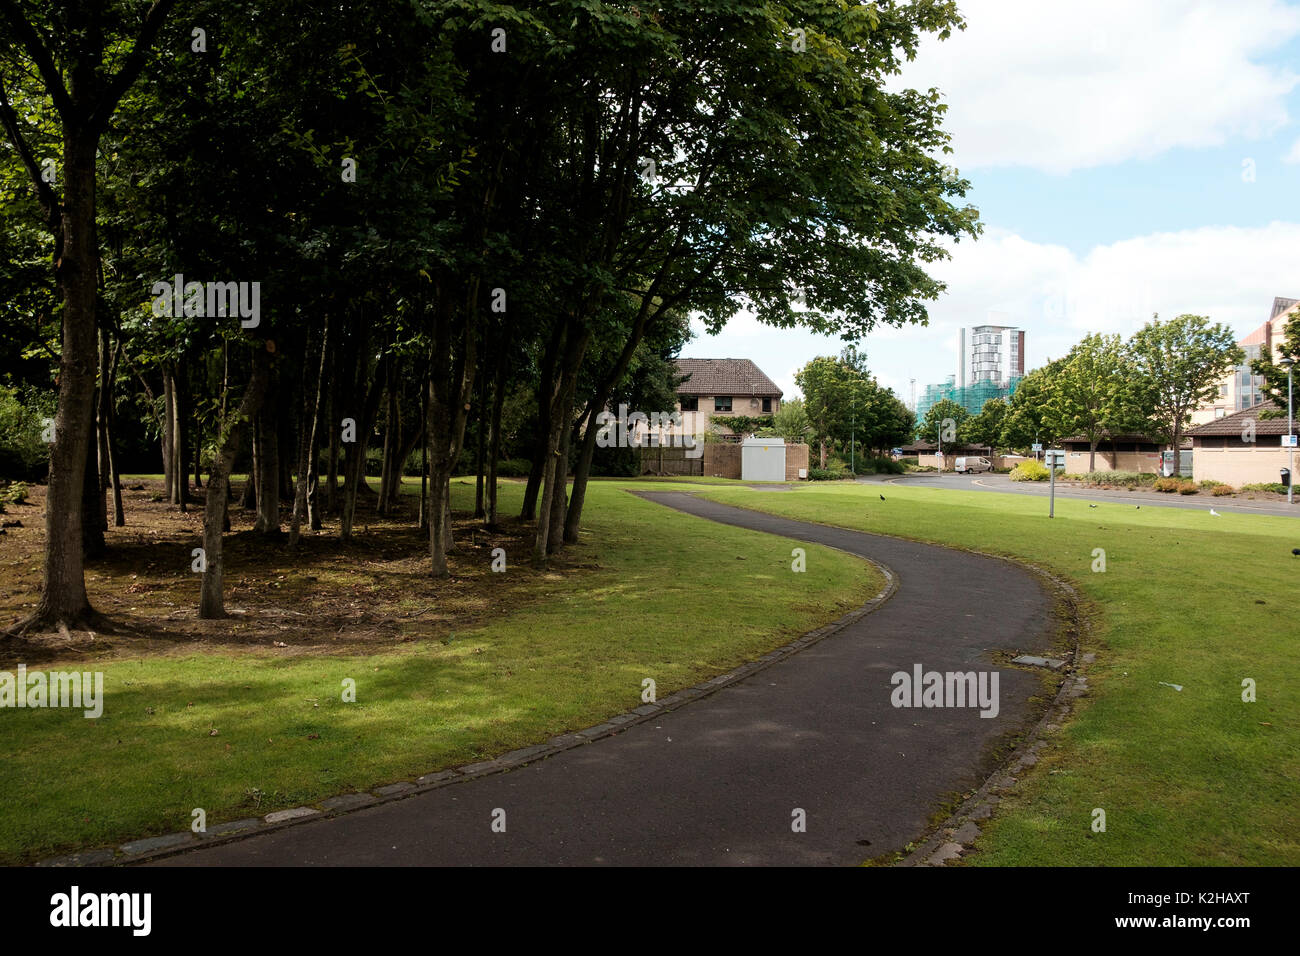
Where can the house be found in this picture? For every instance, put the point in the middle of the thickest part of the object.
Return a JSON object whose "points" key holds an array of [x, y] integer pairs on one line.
{"points": [[1240, 449], [1241, 388], [723, 388]]}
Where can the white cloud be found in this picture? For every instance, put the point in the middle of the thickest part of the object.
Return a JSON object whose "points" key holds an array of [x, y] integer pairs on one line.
{"points": [[1294, 155], [1057, 86], [1230, 274]]}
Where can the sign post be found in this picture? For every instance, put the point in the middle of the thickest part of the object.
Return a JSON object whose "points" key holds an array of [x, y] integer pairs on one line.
{"points": [[1055, 456]]}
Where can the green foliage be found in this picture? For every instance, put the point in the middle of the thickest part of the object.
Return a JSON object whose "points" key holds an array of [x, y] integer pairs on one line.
{"points": [[947, 420], [1122, 479], [1031, 470], [15, 494], [826, 474], [1180, 364], [23, 451], [743, 425], [1276, 487], [1095, 391], [791, 422], [986, 427]]}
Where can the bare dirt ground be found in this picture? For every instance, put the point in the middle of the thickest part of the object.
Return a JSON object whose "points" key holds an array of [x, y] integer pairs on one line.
{"points": [[326, 596]]}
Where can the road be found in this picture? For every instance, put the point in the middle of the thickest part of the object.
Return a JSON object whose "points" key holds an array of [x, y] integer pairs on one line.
{"points": [[1003, 484]]}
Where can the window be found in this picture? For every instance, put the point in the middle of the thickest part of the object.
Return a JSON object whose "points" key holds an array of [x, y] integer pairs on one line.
{"points": [[722, 403], [690, 403], [767, 404], [1223, 391]]}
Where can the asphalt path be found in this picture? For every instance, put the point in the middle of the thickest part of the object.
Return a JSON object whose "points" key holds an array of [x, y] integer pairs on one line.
{"points": [[718, 781], [1001, 483]]}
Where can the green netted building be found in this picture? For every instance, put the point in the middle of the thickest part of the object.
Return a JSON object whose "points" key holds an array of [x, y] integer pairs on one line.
{"points": [[970, 397]]}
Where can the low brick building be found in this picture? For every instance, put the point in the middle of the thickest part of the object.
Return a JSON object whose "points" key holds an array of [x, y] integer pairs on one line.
{"points": [[1139, 453], [1240, 449]]}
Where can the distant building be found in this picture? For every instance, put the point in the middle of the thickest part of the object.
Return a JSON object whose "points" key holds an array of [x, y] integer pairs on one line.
{"points": [[1242, 389], [990, 353], [990, 364]]}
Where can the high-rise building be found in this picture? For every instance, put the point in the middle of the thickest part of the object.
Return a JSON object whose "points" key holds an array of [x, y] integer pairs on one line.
{"points": [[990, 353]]}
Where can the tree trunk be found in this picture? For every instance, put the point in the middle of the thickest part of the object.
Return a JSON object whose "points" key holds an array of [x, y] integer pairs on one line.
{"points": [[115, 479], [211, 601], [494, 452], [332, 427], [392, 438], [64, 600], [545, 398], [266, 439], [1092, 456], [556, 469], [169, 436], [307, 437], [480, 447]]}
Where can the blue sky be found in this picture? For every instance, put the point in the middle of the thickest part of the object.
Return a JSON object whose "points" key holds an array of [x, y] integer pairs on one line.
{"points": [[1126, 158]]}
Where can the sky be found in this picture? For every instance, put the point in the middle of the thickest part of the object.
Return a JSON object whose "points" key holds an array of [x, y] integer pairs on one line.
{"points": [[1127, 157]]}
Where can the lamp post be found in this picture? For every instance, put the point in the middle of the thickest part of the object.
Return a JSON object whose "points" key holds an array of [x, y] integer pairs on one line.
{"points": [[1287, 363]]}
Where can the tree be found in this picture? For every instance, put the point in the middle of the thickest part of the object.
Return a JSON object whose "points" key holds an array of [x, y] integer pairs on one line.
{"points": [[945, 420], [986, 427], [790, 422], [1094, 392], [1028, 419], [71, 48], [1179, 364]]}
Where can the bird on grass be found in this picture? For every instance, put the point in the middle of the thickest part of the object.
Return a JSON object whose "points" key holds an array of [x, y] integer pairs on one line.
{"points": [[1296, 552], [1215, 513], [1092, 506], [882, 497]]}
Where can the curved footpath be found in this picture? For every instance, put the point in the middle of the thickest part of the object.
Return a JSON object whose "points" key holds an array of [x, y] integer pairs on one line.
{"points": [[717, 780]]}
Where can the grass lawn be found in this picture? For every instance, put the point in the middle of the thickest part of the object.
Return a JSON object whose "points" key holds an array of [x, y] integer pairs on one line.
{"points": [[243, 729], [1195, 776]]}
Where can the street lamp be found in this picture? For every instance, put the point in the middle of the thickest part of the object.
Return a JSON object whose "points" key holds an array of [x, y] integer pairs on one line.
{"points": [[1286, 363]]}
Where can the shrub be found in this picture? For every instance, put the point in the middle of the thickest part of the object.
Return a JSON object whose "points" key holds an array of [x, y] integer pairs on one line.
{"points": [[879, 466], [1221, 490], [15, 494], [1120, 479], [824, 474], [1030, 471], [23, 451], [1274, 486], [514, 468], [1183, 486]]}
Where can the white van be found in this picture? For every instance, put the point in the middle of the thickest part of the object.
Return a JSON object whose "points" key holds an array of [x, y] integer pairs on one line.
{"points": [[972, 465]]}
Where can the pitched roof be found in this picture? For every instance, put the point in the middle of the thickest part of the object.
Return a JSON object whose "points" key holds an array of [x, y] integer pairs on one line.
{"points": [[724, 377], [1233, 424], [1280, 305]]}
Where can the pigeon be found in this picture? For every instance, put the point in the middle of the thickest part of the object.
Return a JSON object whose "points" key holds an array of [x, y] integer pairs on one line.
{"points": [[1213, 512], [882, 497], [1139, 507], [1296, 552], [1092, 506]]}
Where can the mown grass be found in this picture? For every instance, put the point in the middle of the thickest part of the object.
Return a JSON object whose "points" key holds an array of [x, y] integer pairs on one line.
{"points": [[658, 594], [1195, 776]]}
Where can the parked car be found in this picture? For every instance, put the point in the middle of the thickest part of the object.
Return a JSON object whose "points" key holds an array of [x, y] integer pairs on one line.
{"points": [[972, 465]]}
